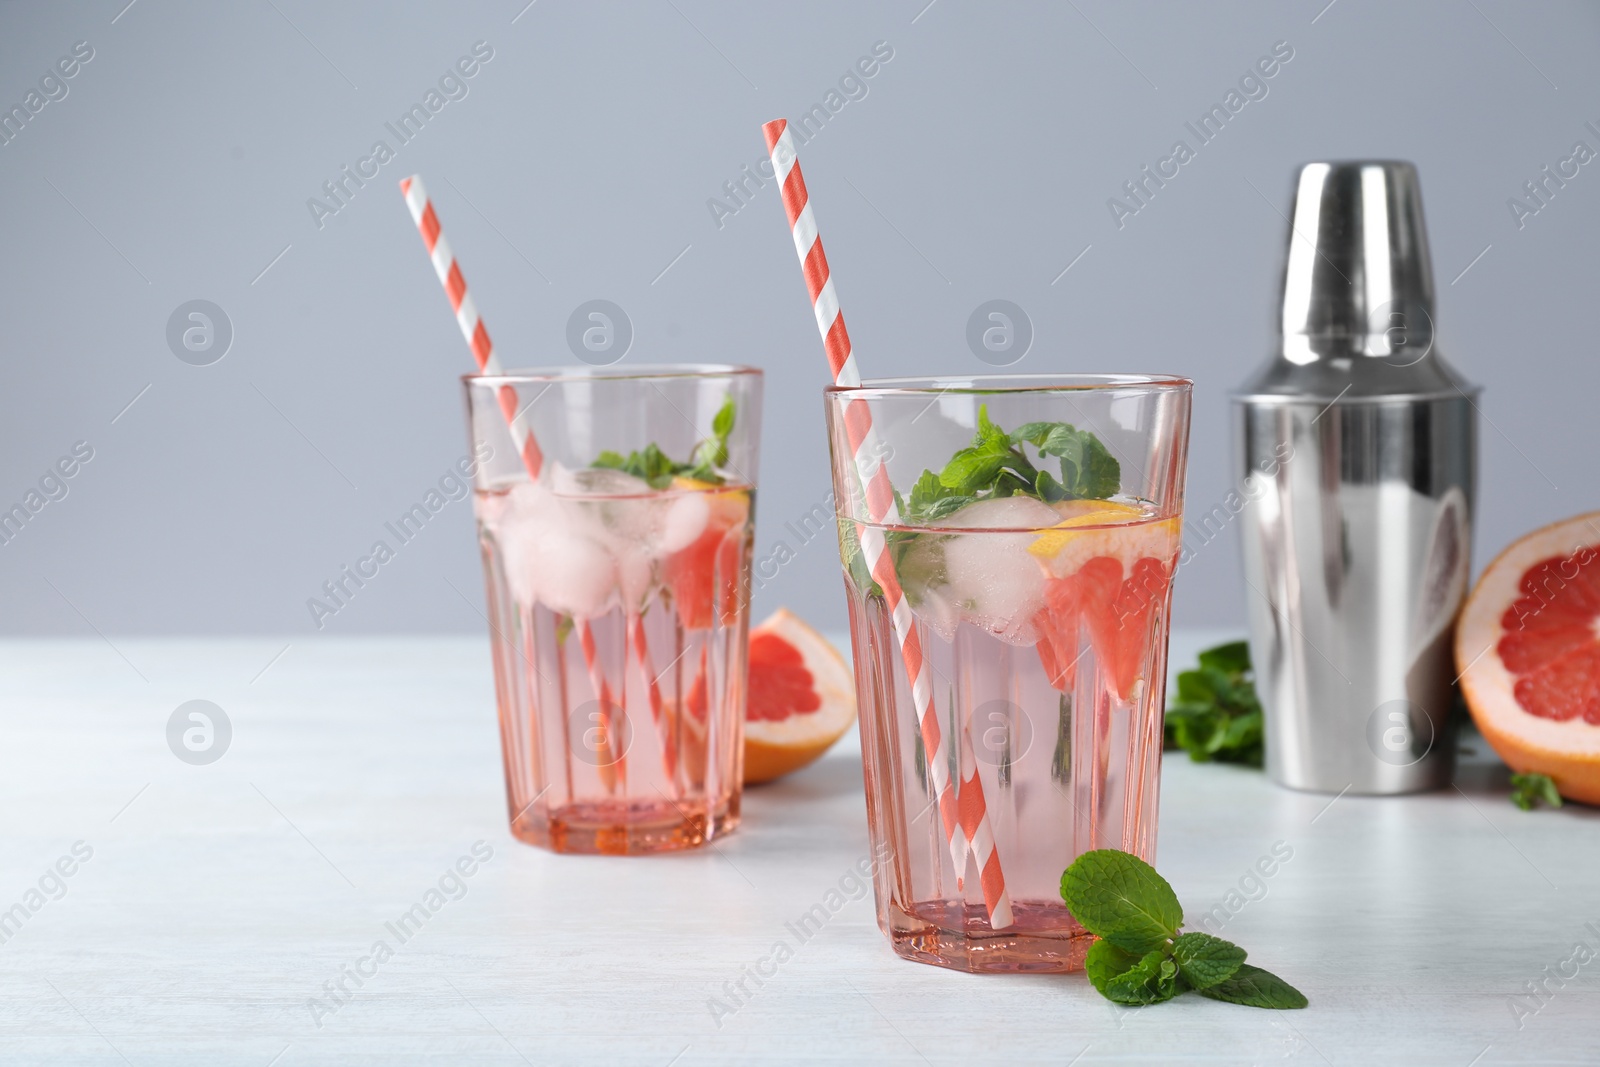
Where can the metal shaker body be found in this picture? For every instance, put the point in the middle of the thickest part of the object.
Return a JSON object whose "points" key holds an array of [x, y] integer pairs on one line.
{"points": [[1356, 446]]}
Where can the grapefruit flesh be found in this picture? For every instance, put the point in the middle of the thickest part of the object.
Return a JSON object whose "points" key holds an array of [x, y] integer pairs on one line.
{"points": [[1528, 647], [704, 575], [1107, 575], [1115, 610], [801, 698]]}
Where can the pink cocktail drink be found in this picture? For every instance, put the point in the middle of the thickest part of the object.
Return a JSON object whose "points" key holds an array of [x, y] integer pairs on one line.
{"points": [[1040, 607], [618, 596]]}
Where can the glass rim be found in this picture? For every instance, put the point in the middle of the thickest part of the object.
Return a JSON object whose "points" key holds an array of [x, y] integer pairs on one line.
{"points": [[985, 384], [612, 373]]}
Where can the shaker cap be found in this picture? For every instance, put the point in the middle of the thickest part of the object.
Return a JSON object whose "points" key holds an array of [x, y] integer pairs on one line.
{"points": [[1357, 315]]}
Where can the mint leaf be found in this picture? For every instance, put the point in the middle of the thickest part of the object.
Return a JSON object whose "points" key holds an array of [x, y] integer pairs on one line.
{"points": [[1204, 960], [1046, 488], [722, 421], [1528, 789], [990, 435], [1232, 658], [1036, 433], [1099, 475], [1215, 714], [931, 499], [994, 466], [1151, 980], [1140, 957], [974, 469], [856, 560], [1121, 898], [654, 466], [1088, 469], [1106, 961], [947, 506], [713, 452], [1255, 988]]}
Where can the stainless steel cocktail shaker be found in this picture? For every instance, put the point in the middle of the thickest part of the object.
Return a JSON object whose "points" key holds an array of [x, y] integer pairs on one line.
{"points": [[1357, 448]]}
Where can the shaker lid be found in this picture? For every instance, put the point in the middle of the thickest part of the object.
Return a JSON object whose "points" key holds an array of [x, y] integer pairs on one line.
{"points": [[1357, 316]]}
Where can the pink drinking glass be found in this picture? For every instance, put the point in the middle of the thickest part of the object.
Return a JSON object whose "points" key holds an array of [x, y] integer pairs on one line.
{"points": [[1042, 626], [618, 594]]}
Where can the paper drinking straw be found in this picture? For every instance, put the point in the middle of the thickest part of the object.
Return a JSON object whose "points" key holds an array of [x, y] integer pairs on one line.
{"points": [[477, 337], [466, 309], [669, 752], [964, 814]]}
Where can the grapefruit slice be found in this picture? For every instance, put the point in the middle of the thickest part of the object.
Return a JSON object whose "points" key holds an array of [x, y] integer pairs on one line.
{"points": [[706, 572], [801, 698], [1089, 528], [1114, 609], [1110, 568], [1528, 648]]}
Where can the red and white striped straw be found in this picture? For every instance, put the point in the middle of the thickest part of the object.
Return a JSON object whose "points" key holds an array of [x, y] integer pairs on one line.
{"points": [[472, 328], [964, 814]]}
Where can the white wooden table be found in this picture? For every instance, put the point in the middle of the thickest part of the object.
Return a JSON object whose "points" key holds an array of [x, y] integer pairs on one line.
{"points": [[219, 899]]}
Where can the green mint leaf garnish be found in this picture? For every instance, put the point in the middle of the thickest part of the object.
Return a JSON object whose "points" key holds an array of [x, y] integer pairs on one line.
{"points": [[713, 452], [1121, 898], [995, 465], [1140, 957], [1106, 961], [1088, 470], [1528, 789], [1151, 980], [1046, 488], [855, 559], [722, 422], [1215, 714], [1204, 960], [1232, 658], [931, 498], [974, 470], [1128, 978], [654, 466], [1255, 988]]}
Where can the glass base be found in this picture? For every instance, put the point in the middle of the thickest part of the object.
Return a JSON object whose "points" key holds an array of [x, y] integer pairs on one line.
{"points": [[958, 936], [624, 828]]}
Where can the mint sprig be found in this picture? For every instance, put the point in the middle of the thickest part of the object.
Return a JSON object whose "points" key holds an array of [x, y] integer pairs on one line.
{"points": [[1528, 789], [1215, 715], [1128, 904], [654, 466], [996, 465], [1141, 958], [1255, 988]]}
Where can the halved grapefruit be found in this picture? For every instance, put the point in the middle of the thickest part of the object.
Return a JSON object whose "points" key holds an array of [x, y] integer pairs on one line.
{"points": [[801, 698], [1528, 647]]}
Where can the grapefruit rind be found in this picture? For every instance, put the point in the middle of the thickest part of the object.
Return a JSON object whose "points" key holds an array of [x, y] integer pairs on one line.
{"points": [[773, 748], [1568, 751], [1089, 532], [829, 675]]}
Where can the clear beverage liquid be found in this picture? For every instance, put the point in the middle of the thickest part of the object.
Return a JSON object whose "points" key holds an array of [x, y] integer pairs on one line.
{"points": [[618, 618], [1047, 647]]}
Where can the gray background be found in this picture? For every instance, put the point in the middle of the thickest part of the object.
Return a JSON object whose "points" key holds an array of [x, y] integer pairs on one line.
{"points": [[580, 165]]}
